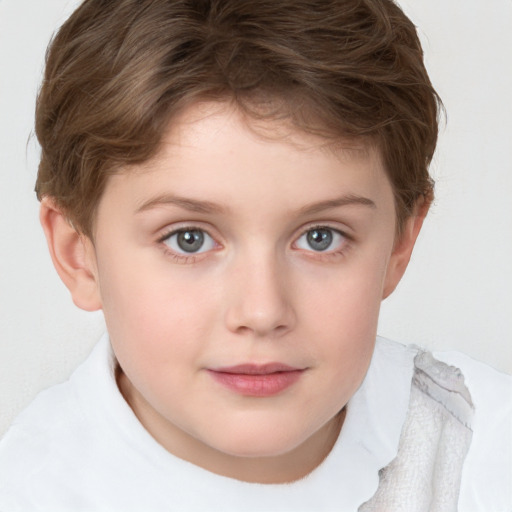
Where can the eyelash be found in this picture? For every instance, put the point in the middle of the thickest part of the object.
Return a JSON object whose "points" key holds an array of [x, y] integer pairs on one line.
{"points": [[193, 257], [328, 254], [179, 257]]}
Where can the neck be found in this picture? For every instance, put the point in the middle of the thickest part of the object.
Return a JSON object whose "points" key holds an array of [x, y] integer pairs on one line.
{"points": [[283, 468]]}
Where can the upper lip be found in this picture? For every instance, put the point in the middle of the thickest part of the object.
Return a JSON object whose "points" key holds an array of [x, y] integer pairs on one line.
{"points": [[257, 369]]}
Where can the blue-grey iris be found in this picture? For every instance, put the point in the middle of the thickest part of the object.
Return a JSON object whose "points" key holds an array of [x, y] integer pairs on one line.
{"points": [[190, 240], [319, 239]]}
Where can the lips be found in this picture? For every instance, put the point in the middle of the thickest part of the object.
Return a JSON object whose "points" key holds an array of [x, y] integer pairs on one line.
{"points": [[257, 380]]}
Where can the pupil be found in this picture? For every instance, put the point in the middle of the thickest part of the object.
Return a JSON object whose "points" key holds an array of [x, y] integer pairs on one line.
{"points": [[319, 239], [190, 241]]}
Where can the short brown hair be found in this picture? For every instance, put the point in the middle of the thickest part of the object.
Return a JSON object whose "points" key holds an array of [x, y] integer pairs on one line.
{"points": [[118, 70]]}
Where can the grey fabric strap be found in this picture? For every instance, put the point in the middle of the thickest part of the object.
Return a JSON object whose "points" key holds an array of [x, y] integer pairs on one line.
{"points": [[426, 473]]}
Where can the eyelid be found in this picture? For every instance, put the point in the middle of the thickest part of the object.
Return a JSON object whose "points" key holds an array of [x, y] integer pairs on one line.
{"points": [[176, 227], [183, 256], [347, 239], [207, 242], [345, 232]]}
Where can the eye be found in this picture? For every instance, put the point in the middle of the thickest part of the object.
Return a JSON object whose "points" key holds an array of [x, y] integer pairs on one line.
{"points": [[321, 239], [189, 241]]}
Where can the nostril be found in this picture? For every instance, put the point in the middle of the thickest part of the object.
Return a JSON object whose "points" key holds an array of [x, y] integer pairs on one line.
{"points": [[258, 300], [263, 323]]}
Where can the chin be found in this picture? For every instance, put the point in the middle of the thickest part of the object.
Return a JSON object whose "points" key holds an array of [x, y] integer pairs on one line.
{"points": [[257, 443]]}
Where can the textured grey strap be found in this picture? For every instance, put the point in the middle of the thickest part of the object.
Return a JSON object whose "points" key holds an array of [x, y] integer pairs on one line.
{"points": [[426, 473]]}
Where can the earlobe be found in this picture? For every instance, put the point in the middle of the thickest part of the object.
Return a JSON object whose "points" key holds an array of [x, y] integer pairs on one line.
{"points": [[403, 247], [73, 256]]}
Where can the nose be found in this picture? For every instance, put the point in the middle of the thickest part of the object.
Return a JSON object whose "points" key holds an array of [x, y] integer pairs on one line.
{"points": [[260, 298]]}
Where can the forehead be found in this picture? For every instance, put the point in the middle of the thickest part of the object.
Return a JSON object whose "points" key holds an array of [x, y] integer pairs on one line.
{"points": [[213, 150], [221, 128], [206, 120]]}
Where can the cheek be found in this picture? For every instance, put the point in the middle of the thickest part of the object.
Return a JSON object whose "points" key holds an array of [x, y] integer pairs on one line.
{"points": [[153, 318], [347, 299], [342, 316]]}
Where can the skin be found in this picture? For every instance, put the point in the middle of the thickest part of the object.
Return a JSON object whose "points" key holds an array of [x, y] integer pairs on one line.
{"points": [[256, 291]]}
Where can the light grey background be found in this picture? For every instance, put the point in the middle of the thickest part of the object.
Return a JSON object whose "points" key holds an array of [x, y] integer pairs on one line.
{"points": [[457, 292]]}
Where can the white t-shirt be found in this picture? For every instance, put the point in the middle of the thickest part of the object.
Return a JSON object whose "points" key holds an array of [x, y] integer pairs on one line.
{"points": [[79, 447]]}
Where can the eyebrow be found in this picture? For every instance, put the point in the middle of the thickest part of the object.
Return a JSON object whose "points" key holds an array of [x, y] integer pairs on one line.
{"points": [[208, 207], [192, 205], [347, 200]]}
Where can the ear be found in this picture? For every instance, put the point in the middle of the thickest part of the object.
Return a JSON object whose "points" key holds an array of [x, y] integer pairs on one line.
{"points": [[73, 256], [403, 247]]}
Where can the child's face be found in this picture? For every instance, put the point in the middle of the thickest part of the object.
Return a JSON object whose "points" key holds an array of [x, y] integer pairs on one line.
{"points": [[231, 249]]}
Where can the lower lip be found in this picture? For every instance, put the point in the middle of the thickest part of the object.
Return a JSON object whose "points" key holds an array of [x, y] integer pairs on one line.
{"points": [[257, 385]]}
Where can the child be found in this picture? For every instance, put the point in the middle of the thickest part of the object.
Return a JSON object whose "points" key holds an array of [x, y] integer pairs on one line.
{"points": [[237, 185]]}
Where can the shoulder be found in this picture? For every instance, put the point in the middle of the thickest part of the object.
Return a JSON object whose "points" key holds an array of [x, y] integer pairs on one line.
{"points": [[47, 441], [480, 377], [488, 469], [35, 440], [489, 388]]}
